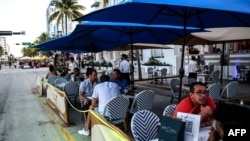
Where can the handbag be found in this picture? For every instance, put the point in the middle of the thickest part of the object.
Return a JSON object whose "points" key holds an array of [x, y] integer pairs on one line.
{"points": [[172, 129]]}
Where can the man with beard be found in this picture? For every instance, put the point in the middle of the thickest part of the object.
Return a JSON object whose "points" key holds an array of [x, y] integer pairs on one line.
{"points": [[198, 102]]}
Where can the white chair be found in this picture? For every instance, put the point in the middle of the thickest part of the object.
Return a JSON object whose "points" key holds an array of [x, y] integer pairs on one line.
{"points": [[169, 110], [144, 125], [231, 91], [115, 110], [174, 83], [142, 101], [214, 91]]}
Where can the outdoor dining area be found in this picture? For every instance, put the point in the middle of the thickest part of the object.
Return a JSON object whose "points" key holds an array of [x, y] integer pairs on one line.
{"points": [[161, 22]]}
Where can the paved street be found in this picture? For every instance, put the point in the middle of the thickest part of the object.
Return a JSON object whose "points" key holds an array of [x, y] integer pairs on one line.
{"points": [[26, 116]]}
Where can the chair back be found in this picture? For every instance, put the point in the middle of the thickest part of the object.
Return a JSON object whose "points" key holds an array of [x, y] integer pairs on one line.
{"points": [[150, 71], [214, 91], [68, 77], [169, 110], [104, 72], [116, 109], [191, 80], [164, 72], [72, 89], [144, 125], [211, 68], [142, 101], [51, 79], [173, 85], [231, 90], [214, 76], [60, 80]]}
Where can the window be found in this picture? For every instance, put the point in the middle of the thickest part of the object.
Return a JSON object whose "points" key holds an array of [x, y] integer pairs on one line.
{"points": [[157, 53]]}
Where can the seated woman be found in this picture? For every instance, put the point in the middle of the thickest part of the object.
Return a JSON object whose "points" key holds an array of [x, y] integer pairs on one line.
{"points": [[116, 77], [51, 71]]}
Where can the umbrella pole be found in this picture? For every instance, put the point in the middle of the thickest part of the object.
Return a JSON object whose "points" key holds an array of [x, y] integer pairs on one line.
{"points": [[221, 62], [139, 64], [181, 70], [132, 62]]}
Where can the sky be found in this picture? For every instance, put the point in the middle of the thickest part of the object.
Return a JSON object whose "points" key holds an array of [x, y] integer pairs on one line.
{"points": [[28, 16]]}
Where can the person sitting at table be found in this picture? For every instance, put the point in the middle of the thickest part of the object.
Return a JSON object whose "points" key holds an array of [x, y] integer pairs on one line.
{"points": [[123, 84], [198, 102], [63, 72], [51, 71], [102, 93], [227, 117], [76, 76], [86, 90]]}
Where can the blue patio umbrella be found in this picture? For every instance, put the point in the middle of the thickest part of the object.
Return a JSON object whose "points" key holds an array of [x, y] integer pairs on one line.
{"points": [[195, 13], [121, 34], [99, 36]]}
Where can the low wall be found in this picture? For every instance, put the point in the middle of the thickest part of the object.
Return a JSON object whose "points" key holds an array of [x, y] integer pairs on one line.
{"points": [[57, 101]]}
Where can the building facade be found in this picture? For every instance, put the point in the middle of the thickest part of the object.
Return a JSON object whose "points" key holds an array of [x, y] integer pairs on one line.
{"points": [[6, 49]]}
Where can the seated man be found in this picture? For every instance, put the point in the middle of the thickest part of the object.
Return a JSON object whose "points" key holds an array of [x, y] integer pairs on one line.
{"points": [[77, 76], [86, 90], [123, 84], [198, 102], [230, 117], [102, 93]]}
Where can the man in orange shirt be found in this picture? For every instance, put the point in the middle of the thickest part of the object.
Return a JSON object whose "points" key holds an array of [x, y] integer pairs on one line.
{"points": [[198, 102]]}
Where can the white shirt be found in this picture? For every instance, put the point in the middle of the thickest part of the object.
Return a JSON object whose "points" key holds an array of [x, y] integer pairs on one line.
{"points": [[104, 92], [192, 66], [124, 66], [73, 65]]}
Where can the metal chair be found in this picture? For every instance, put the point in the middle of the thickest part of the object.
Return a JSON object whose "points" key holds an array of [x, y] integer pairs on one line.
{"points": [[144, 125], [142, 101], [116, 110], [213, 77], [163, 73], [60, 82], [68, 77], [51, 79], [169, 110], [150, 72], [72, 90], [231, 91], [174, 83], [214, 91]]}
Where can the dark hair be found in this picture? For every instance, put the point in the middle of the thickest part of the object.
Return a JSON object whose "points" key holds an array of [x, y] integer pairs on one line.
{"points": [[117, 71], [196, 83], [229, 113], [232, 116], [193, 58], [88, 71], [104, 78], [76, 69], [51, 68]]}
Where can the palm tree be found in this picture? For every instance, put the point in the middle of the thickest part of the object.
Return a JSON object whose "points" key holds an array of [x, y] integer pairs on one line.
{"points": [[66, 8]]}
